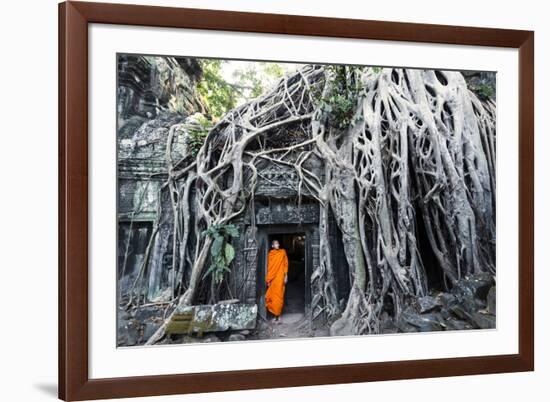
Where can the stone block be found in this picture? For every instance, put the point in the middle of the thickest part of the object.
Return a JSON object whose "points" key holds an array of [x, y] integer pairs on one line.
{"points": [[213, 318], [427, 304]]}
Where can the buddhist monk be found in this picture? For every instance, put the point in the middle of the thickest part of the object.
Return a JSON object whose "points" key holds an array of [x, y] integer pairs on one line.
{"points": [[276, 278]]}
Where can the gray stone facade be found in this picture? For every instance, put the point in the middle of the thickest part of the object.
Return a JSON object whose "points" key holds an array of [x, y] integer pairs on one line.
{"points": [[154, 94]]}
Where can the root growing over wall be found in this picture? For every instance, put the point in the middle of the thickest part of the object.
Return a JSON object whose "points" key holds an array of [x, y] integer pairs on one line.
{"points": [[412, 145]]}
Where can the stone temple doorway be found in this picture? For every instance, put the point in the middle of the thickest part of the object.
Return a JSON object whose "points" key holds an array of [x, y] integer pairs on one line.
{"points": [[297, 242], [294, 245]]}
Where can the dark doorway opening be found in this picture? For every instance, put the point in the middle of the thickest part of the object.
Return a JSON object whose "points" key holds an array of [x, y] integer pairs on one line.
{"points": [[295, 245], [429, 260], [132, 243]]}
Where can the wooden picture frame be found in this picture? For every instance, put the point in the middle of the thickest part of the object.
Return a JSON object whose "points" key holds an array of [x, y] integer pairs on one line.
{"points": [[74, 381]]}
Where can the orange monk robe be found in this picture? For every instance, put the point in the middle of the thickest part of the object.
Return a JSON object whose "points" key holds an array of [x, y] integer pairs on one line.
{"points": [[277, 268]]}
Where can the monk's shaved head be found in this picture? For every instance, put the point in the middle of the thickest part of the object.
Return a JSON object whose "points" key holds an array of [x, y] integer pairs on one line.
{"points": [[275, 244]]}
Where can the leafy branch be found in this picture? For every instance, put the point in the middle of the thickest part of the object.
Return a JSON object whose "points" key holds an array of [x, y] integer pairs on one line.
{"points": [[222, 252]]}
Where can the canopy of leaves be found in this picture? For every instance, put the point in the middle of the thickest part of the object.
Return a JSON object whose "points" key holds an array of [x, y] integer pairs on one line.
{"points": [[216, 93], [253, 79], [226, 84]]}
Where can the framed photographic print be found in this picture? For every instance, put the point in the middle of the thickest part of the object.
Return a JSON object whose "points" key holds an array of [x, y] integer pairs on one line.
{"points": [[259, 200]]}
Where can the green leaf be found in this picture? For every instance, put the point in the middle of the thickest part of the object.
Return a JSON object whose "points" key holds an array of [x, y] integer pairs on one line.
{"points": [[232, 230], [229, 253], [219, 261], [217, 246]]}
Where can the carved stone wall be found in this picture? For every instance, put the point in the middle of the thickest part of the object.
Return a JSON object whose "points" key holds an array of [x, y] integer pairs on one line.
{"points": [[286, 213], [147, 84], [153, 94]]}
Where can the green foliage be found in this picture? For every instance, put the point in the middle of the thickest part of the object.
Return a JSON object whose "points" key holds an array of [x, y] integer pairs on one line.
{"points": [[341, 99], [198, 133], [273, 70], [484, 91], [222, 252], [340, 108], [250, 81], [256, 78], [216, 93]]}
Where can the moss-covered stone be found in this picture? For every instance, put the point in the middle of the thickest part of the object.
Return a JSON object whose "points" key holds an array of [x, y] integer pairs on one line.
{"points": [[213, 318]]}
